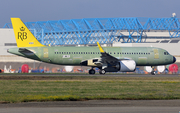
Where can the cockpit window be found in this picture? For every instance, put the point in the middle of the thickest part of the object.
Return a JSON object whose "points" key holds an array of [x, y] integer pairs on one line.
{"points": [[166, 53]]}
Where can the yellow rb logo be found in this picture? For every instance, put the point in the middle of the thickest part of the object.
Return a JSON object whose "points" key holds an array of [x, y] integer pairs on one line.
{"points": [[22, 35]]}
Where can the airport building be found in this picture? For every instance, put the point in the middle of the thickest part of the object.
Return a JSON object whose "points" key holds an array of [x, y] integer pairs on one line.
{"points": [[134, 32]]}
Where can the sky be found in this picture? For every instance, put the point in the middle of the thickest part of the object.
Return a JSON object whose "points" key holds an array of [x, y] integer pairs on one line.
{"points": [[44, 10]]}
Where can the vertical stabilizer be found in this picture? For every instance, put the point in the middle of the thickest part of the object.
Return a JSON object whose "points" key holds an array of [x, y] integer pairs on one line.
{"points": [[24, 37]]}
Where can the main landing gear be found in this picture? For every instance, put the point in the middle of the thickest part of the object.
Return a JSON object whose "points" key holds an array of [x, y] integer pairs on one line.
{"points": [[102, 71], [92, 71]]}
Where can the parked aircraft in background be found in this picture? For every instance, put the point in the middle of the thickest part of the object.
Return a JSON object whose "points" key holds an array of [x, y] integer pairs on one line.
{"points": [[107, 59]]}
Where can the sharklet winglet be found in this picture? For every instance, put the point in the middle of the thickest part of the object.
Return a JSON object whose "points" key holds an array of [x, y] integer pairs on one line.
{"points": [[100, 48]]}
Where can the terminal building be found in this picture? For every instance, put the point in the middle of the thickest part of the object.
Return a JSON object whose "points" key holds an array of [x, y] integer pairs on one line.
{"points": [[135, 32]]}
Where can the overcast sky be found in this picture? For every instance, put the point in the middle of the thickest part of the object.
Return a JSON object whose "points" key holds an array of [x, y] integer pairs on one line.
{"points": [[43, 10]]}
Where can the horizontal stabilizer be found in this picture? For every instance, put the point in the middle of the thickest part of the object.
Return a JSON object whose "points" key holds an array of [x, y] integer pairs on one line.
{"points": [[26, 51]]}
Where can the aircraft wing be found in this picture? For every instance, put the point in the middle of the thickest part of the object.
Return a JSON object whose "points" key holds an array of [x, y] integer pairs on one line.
{"points": [[105, 57]]}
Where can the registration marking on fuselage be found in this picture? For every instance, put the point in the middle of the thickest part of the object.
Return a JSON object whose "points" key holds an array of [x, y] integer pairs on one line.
{"points": [[66, 56]]}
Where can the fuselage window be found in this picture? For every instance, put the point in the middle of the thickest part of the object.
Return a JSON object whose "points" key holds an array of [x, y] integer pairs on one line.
{"points": [[62, 52], [110, 53], [134, 53], [114, 53], [117, 52], [122, 53], [129, 53], [91, 52], [76, 52]]}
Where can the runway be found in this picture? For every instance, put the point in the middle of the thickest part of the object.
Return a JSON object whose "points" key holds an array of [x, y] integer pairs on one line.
{"points": [[80, 74], [95, 106]]}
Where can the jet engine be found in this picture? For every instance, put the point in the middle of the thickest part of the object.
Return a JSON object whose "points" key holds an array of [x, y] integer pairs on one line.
{"points": [[126, 66]]}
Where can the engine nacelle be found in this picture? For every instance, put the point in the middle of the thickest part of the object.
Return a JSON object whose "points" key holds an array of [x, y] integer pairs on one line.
{"points": [[126, 66]]}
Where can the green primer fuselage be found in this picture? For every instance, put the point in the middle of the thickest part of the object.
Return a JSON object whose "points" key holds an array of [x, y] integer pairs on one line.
{"points": [[143, 56]]}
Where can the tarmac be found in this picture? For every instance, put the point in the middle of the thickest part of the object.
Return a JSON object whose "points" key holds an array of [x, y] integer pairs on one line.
{"points": [[21, 75], [94, 106]]}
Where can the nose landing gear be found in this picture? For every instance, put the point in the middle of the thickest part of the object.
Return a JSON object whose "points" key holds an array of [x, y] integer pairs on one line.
{"points": [[153, 72]]}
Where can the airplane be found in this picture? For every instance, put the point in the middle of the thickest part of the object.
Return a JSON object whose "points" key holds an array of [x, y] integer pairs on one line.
{"points": [[107, 59]]}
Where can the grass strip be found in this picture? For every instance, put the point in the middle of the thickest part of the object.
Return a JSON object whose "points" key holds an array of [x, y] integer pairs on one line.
{"points": [[66, 88]]}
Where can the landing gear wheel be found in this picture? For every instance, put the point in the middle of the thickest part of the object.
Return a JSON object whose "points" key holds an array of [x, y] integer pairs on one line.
{"points": [[153, 73], [92, 71], [102, 71]]}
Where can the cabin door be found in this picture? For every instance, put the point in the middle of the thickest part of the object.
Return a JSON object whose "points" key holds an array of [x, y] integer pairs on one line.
{"points": [[156, 54], [45, 51]]}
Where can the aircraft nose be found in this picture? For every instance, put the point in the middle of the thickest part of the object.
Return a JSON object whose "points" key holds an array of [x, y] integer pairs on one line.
{"points": [[174, 59]]}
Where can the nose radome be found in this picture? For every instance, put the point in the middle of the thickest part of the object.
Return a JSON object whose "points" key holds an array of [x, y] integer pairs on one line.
{"points": [[174, 59]]}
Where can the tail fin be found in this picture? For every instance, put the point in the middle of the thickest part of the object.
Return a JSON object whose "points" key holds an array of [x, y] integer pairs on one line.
{"points": [[24, 37]]}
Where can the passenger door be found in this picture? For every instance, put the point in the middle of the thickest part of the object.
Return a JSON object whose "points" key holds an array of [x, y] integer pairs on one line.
{"points": [[156, 54]]}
